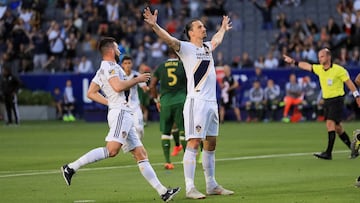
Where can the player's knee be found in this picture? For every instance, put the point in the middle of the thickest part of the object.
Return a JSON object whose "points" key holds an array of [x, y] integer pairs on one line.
{"points": [[193, 143], [113, 152], [140, 153]]}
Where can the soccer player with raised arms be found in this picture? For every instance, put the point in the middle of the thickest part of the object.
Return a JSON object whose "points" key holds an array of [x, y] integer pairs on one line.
{"points": [[201, 119]]}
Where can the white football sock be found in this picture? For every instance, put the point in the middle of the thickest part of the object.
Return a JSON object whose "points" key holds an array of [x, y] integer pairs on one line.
{"points": [[208, 163], [189, 162], [90, 157], [149, 174]]}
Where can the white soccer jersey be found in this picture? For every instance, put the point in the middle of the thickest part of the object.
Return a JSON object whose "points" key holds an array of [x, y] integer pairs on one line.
{"points": [[200, 71], [133, 99], [134, 103], [106, 71]]}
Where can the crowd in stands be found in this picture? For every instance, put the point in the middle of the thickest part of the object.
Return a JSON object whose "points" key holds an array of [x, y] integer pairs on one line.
{"points": [[56, 36], [60, 36]]}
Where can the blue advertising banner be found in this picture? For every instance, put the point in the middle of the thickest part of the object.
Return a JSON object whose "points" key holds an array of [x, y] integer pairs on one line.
{"points": [[80, 82]]}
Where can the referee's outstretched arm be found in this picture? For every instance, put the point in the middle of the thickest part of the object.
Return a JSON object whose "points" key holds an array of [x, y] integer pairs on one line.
{"points": [[301, 64]]}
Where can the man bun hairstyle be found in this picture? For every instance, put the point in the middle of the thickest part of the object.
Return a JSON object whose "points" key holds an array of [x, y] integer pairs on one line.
{"points": [[188, 27]]}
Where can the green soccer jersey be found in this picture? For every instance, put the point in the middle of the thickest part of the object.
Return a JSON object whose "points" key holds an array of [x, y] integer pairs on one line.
{"points": [[172, 82]]}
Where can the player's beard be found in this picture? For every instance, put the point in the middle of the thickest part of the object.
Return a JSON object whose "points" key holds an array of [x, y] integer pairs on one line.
{"points": [[205, 35], [117, 58]]}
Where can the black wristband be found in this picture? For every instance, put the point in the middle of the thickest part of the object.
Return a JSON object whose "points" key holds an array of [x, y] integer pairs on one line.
{"points": [[296, 63]]}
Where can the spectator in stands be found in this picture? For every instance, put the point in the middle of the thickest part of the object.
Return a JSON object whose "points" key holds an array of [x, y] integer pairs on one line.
{"points": [[283, 37], [284, 50], [40, 45], [140, 55], [158, 49], [309, 53], [254, 106], [237, 23], [355, 38], [214, 8], [228, 86], [26, 14], [260, 62], [356, 5], [88, 44], [292, 98], [281, 20], [71, 43], [25, 55], [343, 57], [266, 12], [298, 30], [310, 26], [309, 103], [333, 29], [112, 10], [354, 59], [85, 65], [208, 23], [246, 61], [56, 40], [68, 66], [272, 98], [219, 60], [349, 20], [271, 62], [194, 7], [295, 3], [78, 21], [172, 25], [343, 5], [322, 38], [297, 52], [18, 36], [169, 10]]}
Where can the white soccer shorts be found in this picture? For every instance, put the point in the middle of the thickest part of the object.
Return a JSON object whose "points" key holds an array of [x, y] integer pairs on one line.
{"points": [[201, 118], [122, 129]]}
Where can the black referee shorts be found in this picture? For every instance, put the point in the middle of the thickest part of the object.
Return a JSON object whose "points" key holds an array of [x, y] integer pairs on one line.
{"points": [[333, 109]]}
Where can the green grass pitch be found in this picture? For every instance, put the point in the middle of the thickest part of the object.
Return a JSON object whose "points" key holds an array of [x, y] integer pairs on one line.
{"points": [[261, 162]]}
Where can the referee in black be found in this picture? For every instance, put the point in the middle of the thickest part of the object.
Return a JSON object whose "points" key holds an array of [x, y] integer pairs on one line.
{"points": [[332, 78], [10, 86]]}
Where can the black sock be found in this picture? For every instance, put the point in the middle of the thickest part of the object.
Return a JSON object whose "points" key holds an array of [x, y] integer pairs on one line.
{"points": [[345, 138], [331, 141]]}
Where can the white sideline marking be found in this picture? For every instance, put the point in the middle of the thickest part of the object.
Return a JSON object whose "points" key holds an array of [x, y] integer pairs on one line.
{"points": [[47, 172], [85, 200]]}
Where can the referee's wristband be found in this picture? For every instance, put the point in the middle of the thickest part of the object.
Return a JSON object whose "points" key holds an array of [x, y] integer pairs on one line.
{"points": [[356, 94]]}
